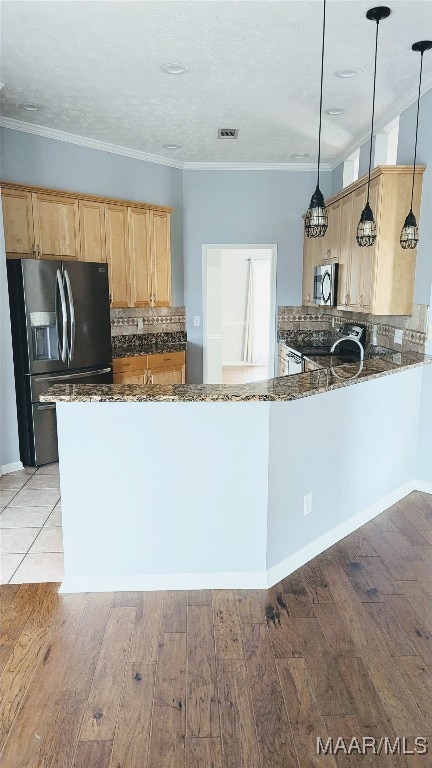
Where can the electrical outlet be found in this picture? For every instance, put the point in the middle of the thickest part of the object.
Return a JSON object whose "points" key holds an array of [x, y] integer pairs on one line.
{"points": [[140, 323], [307, 504], [197, 320], [333, 322], [398, 336], [374, 335]]}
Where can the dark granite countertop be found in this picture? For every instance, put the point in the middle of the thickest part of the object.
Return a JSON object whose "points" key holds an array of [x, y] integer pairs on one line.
{"points": [[134, 344], [279, 389]]}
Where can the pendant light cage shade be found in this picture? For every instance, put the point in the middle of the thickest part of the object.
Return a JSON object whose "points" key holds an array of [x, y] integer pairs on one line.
{"points": [[316, 219], [409, 235], [366, 230]]}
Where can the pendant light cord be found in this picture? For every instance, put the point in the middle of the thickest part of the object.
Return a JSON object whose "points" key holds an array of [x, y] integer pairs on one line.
{"points": [[416, 132], [373, 108], [321, 93]]}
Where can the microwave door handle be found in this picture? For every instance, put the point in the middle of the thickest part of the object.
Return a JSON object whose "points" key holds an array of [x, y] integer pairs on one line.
{"points": [[71, 315], [63, 343], [326, 299]]}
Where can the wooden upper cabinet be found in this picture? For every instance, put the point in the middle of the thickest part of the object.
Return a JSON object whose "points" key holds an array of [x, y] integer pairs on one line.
{"points": [[116, 227], [331, 246], [140, 257], [92, 230], [378, 279], [345, 244], [312, 256], [161, 258], [18, 223], [133, 237], [56, 224]]}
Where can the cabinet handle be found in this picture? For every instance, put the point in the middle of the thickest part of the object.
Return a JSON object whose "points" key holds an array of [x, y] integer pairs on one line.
{"points": [[38, 252], [33, 253], [149, 377]]}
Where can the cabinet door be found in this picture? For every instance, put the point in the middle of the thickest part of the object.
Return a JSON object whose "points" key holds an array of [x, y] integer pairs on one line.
{"points": [[92, 229], [140, 257], [312, 255], [116, 227], [331, 245], [18, 223], [345, 245], [161, 258], [172, 376], [368, 255], [127, 378], [357, 253], [56, 221]]}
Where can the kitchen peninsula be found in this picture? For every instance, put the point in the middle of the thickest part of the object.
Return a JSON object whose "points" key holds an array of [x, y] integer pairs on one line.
{"points": [[203, 486]]}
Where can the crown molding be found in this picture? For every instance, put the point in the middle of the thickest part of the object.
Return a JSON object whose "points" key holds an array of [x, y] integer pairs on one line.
{"points": [[72, 138], [51, 133], [397, 109], [255, 167]]}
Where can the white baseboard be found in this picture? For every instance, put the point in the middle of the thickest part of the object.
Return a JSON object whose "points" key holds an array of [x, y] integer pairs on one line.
{"points": [[291, 563], [5, 469], [423, 485], [143, 582], [257, 580]]}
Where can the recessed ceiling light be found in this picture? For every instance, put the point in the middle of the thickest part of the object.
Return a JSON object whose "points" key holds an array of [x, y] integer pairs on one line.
{"points": [[347, 73], [172, 146], [334, 111], [174, 69], [298, 156], [30, 107]]}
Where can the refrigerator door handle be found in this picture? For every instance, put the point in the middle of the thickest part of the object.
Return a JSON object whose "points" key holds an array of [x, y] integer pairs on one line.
{"points": [[49, 407], [97, 372], [71, 314], [63, 345]]}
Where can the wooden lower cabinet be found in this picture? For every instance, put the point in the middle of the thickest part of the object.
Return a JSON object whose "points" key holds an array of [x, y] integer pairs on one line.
{"points": [[163, 368]]}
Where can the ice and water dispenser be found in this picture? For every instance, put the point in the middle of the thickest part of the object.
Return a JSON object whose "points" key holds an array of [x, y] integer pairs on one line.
{"points": [[44, 335]]}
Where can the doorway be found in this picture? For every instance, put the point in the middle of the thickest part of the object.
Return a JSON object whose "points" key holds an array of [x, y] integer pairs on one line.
{"points": [[239, 313]]}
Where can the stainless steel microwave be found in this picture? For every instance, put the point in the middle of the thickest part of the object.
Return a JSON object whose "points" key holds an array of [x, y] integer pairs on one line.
{"points": [[325, 284]]}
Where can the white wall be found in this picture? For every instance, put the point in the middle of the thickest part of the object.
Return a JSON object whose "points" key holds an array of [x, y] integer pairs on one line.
{"points": [[349, 448], [9, 448]]}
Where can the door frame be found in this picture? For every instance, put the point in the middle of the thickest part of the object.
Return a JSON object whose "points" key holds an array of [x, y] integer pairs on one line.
{"points": [[272, 247]]}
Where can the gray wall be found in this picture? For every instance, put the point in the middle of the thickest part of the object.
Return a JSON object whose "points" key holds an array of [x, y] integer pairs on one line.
{"points": [[337, 178], [243, 207], [422, 291], [45, 162], [9, 449]]}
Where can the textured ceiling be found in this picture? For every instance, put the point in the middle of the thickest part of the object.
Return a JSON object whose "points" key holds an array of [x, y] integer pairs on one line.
{"points": [[95, 69]]}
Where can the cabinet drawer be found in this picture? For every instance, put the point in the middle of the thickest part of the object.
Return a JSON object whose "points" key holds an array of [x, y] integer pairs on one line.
{"points": [[167, 360], [130, 364], [132, 378]]}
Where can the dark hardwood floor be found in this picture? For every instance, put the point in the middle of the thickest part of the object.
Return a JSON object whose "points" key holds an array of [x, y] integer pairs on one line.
{"points": [[225, 679]]}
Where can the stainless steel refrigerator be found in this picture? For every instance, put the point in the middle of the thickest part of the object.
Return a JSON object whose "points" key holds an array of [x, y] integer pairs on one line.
{"points": [[61, 334]]}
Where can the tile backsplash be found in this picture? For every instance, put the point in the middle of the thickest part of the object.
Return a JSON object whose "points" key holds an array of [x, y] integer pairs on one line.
{"points": [[146, 320], [317, 319]]}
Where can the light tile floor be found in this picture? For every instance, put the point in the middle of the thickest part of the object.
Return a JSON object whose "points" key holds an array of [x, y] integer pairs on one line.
{"points": [[31, 545]]}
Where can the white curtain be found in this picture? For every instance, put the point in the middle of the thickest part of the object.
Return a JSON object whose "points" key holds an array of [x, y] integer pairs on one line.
{"points": [[248, 347]]}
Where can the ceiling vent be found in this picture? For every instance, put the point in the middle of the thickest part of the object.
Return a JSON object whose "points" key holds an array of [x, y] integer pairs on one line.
{"points": [[228, 133]]}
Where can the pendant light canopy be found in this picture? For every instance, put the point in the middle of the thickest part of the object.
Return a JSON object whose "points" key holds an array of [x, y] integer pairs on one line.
{"points": [[316, 220], [366, 230], [409, 233]]}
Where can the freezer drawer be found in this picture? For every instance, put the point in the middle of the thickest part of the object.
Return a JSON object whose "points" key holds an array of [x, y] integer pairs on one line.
{"points": [[40, 384], [44, 433]]}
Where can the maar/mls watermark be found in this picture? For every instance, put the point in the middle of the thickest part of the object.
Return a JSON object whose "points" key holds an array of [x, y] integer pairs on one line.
{"points": [[371, 745]]}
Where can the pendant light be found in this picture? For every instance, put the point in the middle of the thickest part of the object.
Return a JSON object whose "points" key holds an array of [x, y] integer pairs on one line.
{"points": [[316, 220], [409, 234], [366, 230]]}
